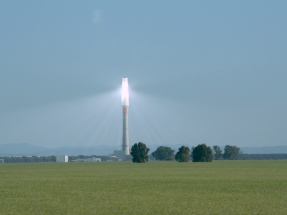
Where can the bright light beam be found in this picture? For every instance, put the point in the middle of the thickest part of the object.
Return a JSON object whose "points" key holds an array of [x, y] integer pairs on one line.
{"points": [[125, 92]]}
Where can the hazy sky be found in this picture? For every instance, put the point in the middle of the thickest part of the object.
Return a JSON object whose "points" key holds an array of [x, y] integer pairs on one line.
{"points": [[209, 72]]}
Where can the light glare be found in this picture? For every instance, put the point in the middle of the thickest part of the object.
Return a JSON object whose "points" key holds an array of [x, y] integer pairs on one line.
{"points": [[125, 91]]}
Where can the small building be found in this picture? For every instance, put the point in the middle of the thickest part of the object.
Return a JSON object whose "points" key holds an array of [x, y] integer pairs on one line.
{"points": [[89, 160], [1, 160], [62, 158]]}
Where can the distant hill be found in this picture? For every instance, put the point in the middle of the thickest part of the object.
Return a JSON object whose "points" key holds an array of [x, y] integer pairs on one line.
{"points": [[79, 150], [18, 149], [26, 149], [247, 150], [265, 150]]}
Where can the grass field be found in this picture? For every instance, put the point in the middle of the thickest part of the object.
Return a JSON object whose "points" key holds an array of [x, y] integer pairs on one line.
{"points": [[220, 187]]}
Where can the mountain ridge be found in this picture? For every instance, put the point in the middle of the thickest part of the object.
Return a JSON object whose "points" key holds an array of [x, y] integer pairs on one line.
{"points": [[26, 149]]}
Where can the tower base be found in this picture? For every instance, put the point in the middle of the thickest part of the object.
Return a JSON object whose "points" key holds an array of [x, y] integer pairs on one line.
{"points": [[120, 154]]}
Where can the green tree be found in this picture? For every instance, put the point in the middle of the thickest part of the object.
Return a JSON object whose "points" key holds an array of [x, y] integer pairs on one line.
{"points": [[231, 152], [139, 153], [202, 153], [163, 153], [183, 154], [217, 152]]}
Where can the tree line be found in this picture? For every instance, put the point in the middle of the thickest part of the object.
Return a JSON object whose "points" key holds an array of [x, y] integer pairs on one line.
{"points": [[200, 153], [139, 154], [263, 157], [52, 158], [29, 159]]}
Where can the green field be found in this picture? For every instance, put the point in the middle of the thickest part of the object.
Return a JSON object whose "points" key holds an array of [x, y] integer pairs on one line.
{"points": [[220, 187]]}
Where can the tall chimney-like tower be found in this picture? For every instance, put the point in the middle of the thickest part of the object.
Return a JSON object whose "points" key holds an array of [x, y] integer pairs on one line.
{"points": [[125, 107]]}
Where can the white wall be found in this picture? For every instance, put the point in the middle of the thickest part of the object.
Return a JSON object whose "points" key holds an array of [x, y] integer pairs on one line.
{"points": [[62, 158]]}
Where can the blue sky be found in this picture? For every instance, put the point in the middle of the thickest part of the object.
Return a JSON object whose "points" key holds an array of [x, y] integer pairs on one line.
{"points": [[199, 71]]}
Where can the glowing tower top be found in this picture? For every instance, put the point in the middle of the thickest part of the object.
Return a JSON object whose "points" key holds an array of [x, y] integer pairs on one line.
{"points": [[125, 92]]}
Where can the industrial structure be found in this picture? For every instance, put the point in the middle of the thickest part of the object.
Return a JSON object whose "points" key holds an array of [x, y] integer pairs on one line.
{"points": [[121, 154], [89, 160], [62, 158]]}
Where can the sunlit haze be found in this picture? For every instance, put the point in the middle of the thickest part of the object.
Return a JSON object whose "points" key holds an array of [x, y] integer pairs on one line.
{"points": [[209, 72]]}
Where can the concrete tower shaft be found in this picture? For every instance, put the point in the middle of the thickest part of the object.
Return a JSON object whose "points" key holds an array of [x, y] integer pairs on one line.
{"points": [[125, 107]]}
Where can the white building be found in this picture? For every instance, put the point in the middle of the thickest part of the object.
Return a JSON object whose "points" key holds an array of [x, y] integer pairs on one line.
{"points": [[62, 158], [89, 160]]}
